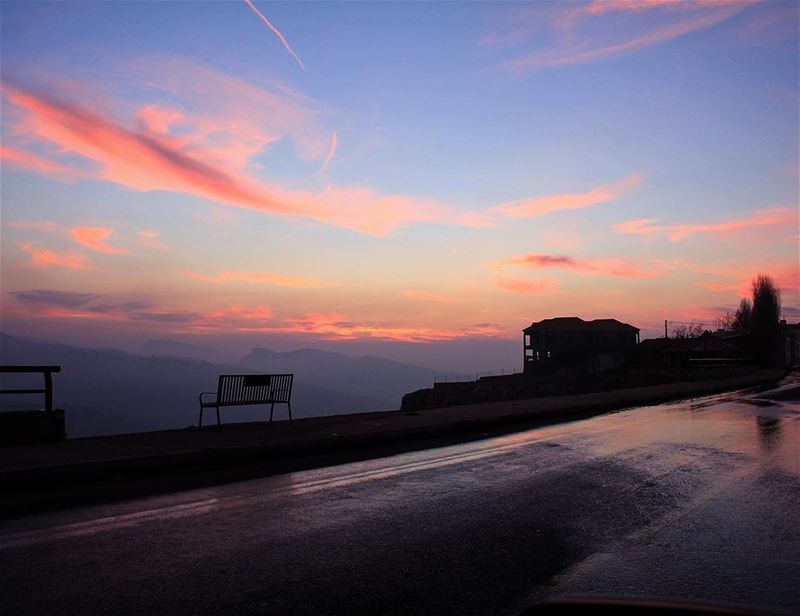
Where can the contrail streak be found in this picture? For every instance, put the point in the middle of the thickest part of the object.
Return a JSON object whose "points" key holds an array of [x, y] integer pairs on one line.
{"points": [[331, 152], [277, 33]]}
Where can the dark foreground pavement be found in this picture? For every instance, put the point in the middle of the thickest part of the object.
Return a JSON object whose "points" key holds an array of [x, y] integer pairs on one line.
{"points": [[693, 500], [107, 468]]}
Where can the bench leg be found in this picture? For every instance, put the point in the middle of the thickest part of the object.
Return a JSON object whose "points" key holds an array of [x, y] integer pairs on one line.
{"points": [[290, 412], [200, 421], [271, 410], [219, 425]]}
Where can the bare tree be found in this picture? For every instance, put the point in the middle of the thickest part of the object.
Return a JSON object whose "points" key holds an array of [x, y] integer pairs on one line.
{"points": [[688, 330], [725, 321]]}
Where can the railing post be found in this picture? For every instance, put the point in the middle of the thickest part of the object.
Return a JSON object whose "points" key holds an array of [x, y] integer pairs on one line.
{"points": [[48, 390]]}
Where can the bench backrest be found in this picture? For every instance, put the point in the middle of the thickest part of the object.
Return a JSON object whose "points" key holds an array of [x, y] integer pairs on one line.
{"points": [[236, 389]]}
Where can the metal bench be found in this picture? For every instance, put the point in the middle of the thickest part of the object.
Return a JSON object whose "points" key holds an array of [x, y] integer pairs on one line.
{"points": [[246, 389]]}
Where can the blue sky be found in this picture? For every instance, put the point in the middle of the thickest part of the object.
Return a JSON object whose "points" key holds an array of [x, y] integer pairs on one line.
{"points": [[494, 164]]}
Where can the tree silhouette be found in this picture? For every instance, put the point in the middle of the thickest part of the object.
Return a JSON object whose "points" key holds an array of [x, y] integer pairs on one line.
{"points": [[765, 319], [743, 319], [688, 330]]}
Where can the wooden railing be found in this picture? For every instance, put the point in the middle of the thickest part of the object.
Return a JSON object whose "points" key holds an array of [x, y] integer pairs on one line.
{"points": [[47, 371]]}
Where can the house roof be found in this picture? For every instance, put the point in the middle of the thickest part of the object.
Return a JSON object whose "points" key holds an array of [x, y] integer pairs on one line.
{"points": [[571, 324], [705, 342]]}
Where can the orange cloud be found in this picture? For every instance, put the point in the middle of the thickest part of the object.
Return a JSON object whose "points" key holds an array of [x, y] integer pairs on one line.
{"points": [[150, 240], [330, 326], [427, 296], [527, 208], [338, 326], [526, 286], [786, 276], [676, 233], [259, 313], [261, 277], [44, 259], [94, 238], [716, 286], [277, 33], [623, 268], [32, 162], [148, 161]]}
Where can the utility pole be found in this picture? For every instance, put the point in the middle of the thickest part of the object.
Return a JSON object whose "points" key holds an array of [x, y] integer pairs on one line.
{"points": [[665, 329]]}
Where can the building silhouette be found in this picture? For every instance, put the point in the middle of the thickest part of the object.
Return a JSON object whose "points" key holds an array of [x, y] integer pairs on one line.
{"points": [[591, 346]]}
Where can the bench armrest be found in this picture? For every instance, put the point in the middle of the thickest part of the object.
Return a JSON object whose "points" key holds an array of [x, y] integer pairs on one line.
{"points": [[207, 393]]}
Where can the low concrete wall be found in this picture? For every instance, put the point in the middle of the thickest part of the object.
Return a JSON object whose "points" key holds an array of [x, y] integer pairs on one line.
{"points": [[28, 427]]}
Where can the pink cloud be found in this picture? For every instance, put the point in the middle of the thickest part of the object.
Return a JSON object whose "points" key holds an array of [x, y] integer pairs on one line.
{"points": [[716, 286], [32, 162], [261, 277], [94, 238], [527, 208], [237, 312], [738, 281], [226, 120], [41, 258], [276, 32], [150, 240], [526, 286], [337, 326], [601, 7], [676, 233], [148, 161], [331, 152], [580, 34], [623, 268], [157, 119], [427, 296]]}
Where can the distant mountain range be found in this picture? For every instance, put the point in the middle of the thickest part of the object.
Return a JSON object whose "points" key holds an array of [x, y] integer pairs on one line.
{"points": [[174, 348], [377, 377], [106, 391]]}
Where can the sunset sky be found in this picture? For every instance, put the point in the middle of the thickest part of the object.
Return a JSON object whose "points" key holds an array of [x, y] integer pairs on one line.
{"points": [[430, 177]]}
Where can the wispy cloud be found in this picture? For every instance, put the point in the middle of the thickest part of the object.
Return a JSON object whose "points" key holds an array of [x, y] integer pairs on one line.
{"points": [[427, 296], [32, 162], [42, 258], [48, 303], [526, 286], [54, 304], [593, 31], [331, 152], [160, 120], [146, 161], [738, 281], [276, 32], [618, 267], [539, 206], [94, 238], [339, 327], [761, 218], [237, 311], [150, 239], [261, 277], [47, 226]]}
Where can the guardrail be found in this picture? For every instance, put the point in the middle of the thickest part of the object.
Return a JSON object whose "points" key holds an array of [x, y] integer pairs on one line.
{"points": [[46, 371]]}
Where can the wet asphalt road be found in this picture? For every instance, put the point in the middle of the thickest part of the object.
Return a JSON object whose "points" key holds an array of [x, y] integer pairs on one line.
{"points": [[693, 500]]}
